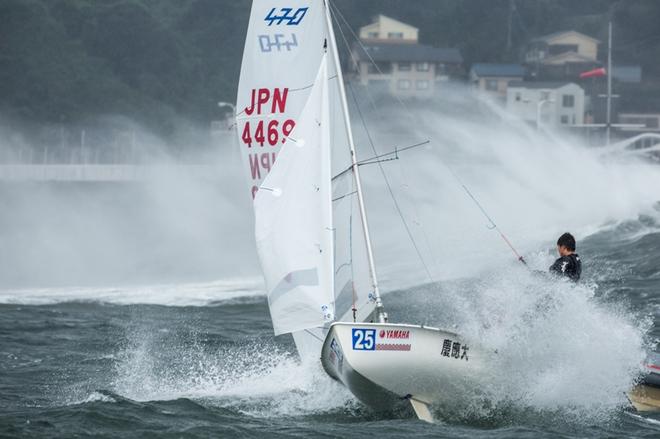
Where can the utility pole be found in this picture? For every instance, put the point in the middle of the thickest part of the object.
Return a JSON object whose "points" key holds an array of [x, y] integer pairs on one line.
{"points": [[609, 85], [509, 41], [82, 146]]}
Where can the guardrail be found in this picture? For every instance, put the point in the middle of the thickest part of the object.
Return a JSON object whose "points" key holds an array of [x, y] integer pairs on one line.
{"points": [[103, 173]]}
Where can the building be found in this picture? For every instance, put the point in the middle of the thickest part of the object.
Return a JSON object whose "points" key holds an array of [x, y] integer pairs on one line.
{"points": [[390, 58], [562, 55], [386, 30], [495, 78], [562, 46], [547, 103]]}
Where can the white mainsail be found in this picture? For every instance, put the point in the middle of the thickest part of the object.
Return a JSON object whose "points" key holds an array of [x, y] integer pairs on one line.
{"points": [[310, 222], [294, 136], [281, 59], [293, 221]]}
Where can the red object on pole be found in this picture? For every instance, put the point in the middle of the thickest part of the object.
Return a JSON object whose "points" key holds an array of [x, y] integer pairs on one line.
{"points": [[594, 73]]}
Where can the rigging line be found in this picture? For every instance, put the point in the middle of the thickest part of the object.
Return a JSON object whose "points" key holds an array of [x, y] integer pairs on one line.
{"points": [[427, 241], [409, 112], [380, 165], [376, 158], [366, 52], [311, 85], [314, 335], [344, 196], [373, 162], [354, 309], [398, 150], [493, 226], [389, 188], [382, 170]]}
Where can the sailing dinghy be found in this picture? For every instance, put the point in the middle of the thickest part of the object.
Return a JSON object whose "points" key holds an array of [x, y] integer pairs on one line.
{"points": [[311, 226]]}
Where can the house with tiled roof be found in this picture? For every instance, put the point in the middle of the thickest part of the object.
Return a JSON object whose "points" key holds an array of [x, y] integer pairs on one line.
{"points": [[495, 78], [389, 58], [561, 55]]}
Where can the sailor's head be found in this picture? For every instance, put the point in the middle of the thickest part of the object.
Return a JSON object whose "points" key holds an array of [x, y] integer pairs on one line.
{"points": [[566, 244]]}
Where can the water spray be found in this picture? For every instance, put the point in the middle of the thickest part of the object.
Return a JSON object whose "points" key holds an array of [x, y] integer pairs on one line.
{"points": [[492, 225]]}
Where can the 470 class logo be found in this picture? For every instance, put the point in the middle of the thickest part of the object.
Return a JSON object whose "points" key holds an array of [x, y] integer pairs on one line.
{"points": [[286, 15]]}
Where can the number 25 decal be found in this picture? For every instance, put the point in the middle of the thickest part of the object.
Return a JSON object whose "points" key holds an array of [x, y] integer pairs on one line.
{"points": [[364, 339]]}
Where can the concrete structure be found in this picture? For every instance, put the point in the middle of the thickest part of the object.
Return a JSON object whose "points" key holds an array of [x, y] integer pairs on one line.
{"points": [[547, 103], [495, 78], [105, 173], [390, 58], [650, 122]]}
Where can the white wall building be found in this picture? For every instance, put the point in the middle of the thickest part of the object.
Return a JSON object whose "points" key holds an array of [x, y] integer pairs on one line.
{"points": [[547, 103], [390, 59]]}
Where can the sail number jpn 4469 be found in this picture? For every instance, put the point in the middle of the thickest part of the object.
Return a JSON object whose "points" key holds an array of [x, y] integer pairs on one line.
{"points": [[263, 129]]}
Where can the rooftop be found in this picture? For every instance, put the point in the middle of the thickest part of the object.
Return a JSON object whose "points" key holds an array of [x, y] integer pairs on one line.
{"points": [[539, 84], [505, 70], [552, 36], [409, 52]]}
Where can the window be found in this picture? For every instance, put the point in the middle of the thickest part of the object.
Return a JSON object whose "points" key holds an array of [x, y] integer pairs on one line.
{"points": [[568, 101], [557, 49], [564, 120], [403, 84], [372, 35], [395, 35], [491, 84], [518, 96], [423, 67], [422, 84], [404, 66]]}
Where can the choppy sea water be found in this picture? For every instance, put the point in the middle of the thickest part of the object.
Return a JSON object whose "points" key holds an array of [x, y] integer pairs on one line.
{"points": [[204, 361], [147, 353]]}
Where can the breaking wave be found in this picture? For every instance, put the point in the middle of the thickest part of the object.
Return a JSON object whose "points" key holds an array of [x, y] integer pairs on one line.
{"points": [[194, 294], [258, 378]]}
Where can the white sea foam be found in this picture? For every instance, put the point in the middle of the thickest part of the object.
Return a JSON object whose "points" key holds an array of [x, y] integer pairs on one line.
{"points": [[559, 348], [535, 186], [544, 345], [194, 294], [91, 397], [258, 379]]}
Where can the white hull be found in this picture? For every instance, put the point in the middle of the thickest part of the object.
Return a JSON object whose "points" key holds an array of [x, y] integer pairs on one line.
{"points": [[384, 365]]}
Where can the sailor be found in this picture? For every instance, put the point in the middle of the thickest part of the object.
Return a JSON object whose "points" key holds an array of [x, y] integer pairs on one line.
{"points": [[568, 264]]}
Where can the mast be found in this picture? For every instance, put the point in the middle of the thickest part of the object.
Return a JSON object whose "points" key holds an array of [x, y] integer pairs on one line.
{"points": [[381, 315], [609, 82]]}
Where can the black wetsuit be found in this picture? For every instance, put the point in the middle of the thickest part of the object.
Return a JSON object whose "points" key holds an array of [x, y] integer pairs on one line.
{"points": [[569, 266]]}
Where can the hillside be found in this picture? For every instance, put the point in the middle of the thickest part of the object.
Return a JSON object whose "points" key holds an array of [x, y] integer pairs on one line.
{"points": [[69, 61]]}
